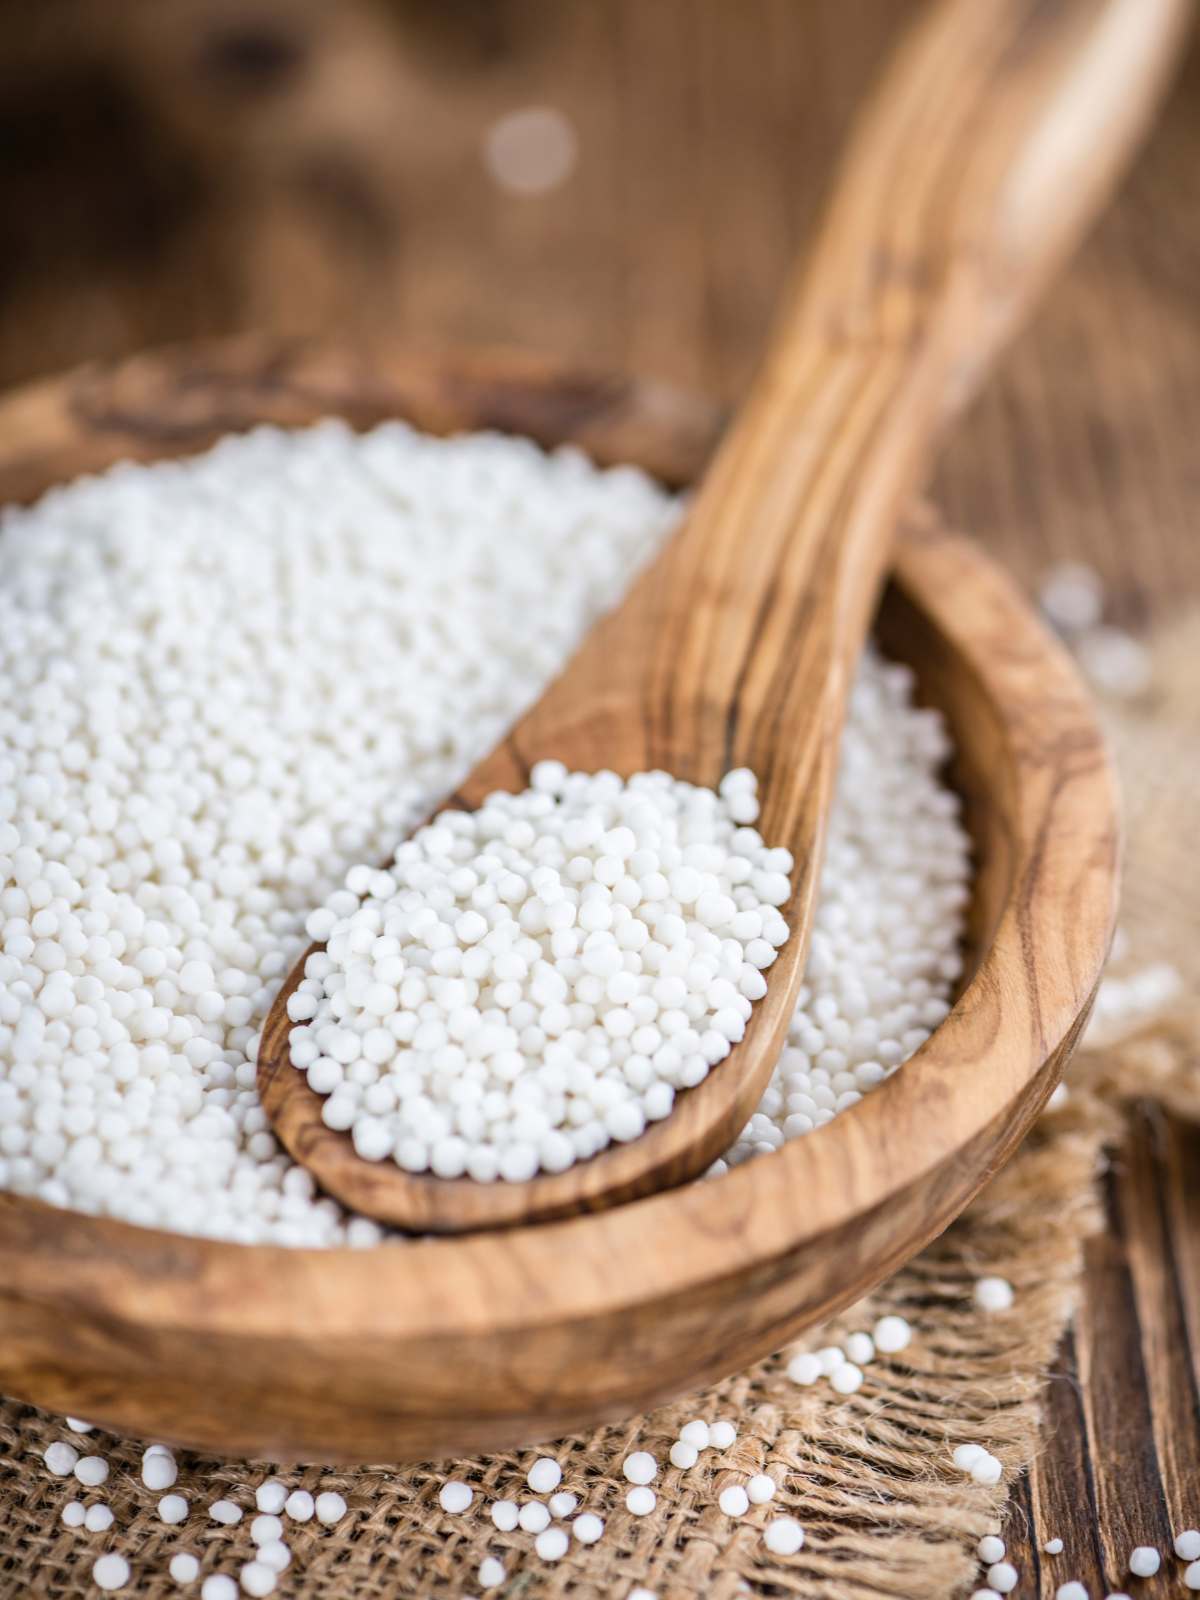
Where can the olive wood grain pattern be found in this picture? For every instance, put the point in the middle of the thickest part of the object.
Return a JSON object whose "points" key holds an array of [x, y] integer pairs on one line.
{"points": [[424, 1349], [986, 149]]}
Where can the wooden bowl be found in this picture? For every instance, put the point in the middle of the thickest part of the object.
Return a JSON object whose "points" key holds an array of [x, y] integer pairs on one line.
{"points": [[429, 1348]]}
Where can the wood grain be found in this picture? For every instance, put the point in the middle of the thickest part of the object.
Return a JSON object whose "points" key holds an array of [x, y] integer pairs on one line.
{"points": [[426, 1349], [989, 144], [707, 133], [1121, 1464]]}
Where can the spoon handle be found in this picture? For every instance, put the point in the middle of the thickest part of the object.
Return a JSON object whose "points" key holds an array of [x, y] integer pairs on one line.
{"points": [[991, 142]]}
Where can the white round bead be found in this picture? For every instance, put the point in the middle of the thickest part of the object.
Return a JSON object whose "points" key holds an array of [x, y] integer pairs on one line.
{"points": [[640, 1467], [551, 1544], [110, 1572], [544, 1475], [783, 1536], [505, 1514], [734, 1501], [330, 1507]]}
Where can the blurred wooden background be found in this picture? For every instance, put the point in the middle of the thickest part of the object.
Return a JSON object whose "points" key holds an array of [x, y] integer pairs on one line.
{"points": [[180, 167]]}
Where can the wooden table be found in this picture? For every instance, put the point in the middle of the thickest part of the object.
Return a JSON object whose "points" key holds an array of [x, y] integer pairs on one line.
{"points": [[706, 130]]}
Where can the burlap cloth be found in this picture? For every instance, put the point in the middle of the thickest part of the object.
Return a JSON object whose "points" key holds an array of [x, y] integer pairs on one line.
{"points": [[870, 1477]]}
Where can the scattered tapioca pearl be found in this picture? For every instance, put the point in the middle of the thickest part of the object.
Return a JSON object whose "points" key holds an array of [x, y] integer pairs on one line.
{"points": [[985, 1594], [159, 1469], [534, 1516], [1072, 595], [892, 1334], [1003, 1577], [783, 1536], [1053, 1547], [77, 1426], [639, 1593], [640, 1467], [830, 1357], [847, 1379], [266, 1528], [271, 1496], [1114, 661], [760, 1489], [184, 1567], [588, 1527], [60, 1458], [1072, 1590], [640, 1501], [226, 1512], [734, 1501], [545, 1474], [1187, 1544], [491, 1572], [531, 150], [990, 1548], [110, 1571], [860, 1348], [257, 1579], [218, 1587], [98, 1518], [91, 1471], [299, 1506], [979, 1463], [1191, 1577], [172, 1509], [73, 1514], [453, 1497], [563, 1504], [804, 1369], [551, 1544], [697, 1433], [721, 1435], [275, 1555], [625, 928], [505, 1514], [330, 1506], [993, 1294], [1144, 1562], [683, 1455]]}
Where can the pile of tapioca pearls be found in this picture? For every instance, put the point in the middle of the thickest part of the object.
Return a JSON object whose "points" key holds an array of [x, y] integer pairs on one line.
{"points": [[528, 982], [183, 781]]}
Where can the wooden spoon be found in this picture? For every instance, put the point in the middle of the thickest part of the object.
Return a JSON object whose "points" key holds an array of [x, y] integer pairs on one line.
{"points": [[996, 132]]}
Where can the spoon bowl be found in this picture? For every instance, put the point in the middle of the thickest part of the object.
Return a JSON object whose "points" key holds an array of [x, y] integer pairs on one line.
{"points": [[427, 1349]]}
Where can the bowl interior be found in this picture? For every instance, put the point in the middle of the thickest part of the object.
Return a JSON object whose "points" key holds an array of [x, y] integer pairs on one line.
{"points": [[455, 1344]]}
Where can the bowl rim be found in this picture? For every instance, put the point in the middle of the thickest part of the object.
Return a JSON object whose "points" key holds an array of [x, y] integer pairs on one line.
{"points": [[1044, 962]]}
